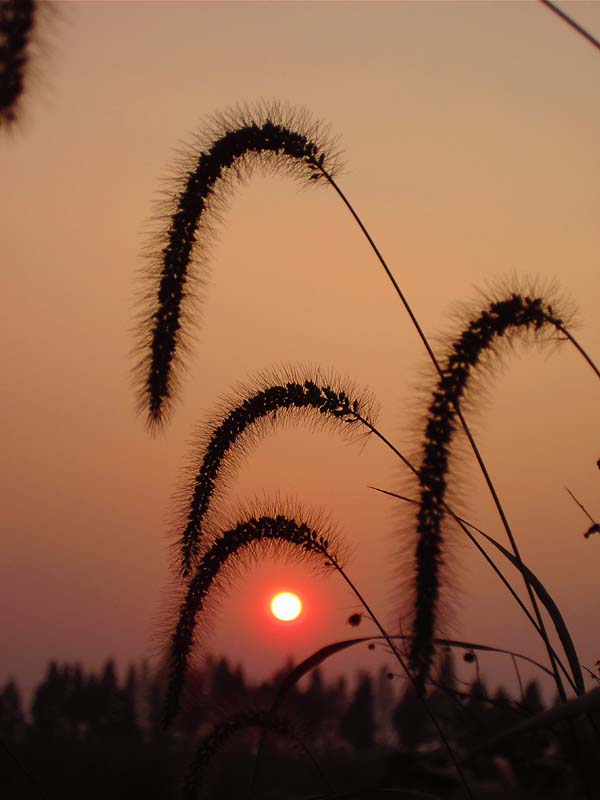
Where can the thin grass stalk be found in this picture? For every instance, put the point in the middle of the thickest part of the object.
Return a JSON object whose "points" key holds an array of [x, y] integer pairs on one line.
{"points": [[569, 710], [321, 655], [515, 548], [472, 443], [581, 506], [568, 335], [573, 682], [199, 186], [571, 22], [559, 624], [212, 563], [328, 403], [308, 394], [409, 675], [465, 525], [520, 682]]}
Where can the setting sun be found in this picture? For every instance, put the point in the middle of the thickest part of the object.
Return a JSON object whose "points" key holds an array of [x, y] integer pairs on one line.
{"points": [[286, 606]]}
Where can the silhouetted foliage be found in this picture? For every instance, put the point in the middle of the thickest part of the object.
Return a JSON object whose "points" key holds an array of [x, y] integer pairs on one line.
{"points": [[97, 735], [227, 686], [12, 719], [358, 723], [411, 720]]}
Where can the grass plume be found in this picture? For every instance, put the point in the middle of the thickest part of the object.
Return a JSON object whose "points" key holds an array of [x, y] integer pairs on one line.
{"points": [[275, 398], [275, 533], [512, 315], [268, 136], [219, 736], [17, 23]]}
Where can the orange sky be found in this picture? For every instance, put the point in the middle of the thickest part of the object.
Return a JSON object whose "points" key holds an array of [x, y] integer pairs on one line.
{"points": [[470, 133]]}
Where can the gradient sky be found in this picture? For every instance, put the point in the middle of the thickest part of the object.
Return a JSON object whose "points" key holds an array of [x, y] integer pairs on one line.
{"points": [[470, 133]]}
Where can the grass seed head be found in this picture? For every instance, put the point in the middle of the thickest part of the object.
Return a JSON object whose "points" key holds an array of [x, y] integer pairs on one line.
{"points": [[276, 398], [268, 136], [212, 744], [504, 317], [256, 536]]}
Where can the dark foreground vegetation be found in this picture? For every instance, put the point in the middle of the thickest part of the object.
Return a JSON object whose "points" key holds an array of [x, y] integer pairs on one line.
{"points": [[99, 735]]}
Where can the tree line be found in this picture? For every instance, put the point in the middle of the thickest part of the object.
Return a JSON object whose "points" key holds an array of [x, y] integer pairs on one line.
{"points": [[104, 729]]}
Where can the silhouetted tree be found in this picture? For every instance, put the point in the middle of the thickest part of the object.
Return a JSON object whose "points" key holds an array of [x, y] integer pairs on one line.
{"points": [[358, 723], [446, 676], [149, 696], [75, 711], [194, 711], [47, 708], [227, 685], [128, 716], [411, 720], [444, 701], [384, 705], [339, 694], [12, 720], [532, 700], [314, 701]]}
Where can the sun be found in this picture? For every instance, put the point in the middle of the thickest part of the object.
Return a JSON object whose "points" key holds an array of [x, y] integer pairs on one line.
{"points": [[286, 606]]}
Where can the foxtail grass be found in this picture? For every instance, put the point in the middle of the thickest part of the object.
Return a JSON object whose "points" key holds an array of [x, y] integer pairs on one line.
{"points": [[17, 22], [212, 744], [575, 679], [257, 535], [274, 399], [278, 139], [482, 465], [514, 315], [268, 136]]}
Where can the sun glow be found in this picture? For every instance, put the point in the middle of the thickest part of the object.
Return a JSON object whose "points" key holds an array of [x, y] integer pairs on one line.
{"points": [[286, 606]]}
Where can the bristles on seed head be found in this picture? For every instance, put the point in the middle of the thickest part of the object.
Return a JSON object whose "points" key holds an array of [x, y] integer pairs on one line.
{"points": [[266, 137], [212, 744], [270, 531], [514, 314], [274, 399]]}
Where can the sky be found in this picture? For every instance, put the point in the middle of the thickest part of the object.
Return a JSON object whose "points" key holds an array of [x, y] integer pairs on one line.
{"points": [[469, 133]]}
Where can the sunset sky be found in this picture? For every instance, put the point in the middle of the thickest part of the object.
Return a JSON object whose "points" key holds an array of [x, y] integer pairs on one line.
{"points": [[470, 134]]}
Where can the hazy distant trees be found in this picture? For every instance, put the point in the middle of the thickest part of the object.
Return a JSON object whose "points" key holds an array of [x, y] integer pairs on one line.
{"points": [[70, 703], [358, 723], [100, 729], [12, 719]]}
